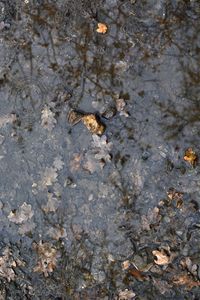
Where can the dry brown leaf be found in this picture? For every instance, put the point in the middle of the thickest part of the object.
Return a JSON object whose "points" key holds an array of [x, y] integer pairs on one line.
{"points": [[174, 195], [47, 258], [191, 157], [102, 28], [186, 280], [137, 274], [93, 124], [161, 257]]}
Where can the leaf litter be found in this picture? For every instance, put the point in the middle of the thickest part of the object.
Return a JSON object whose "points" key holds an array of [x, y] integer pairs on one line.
{"points": [[48, 120], [99, 154], [8, 264], [21, 215], [47, 258]]}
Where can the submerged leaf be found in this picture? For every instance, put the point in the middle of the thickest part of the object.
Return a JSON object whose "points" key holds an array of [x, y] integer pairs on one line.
{"points": [[22, 214], [51, 205], [48, 120]]}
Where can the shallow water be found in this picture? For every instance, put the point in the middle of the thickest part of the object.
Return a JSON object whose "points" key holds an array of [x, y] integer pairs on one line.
{"points": [[90, 203]]}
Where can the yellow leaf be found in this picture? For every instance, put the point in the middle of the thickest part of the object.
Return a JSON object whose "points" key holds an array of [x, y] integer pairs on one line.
{"points": [[190, 156], [102, 28]]}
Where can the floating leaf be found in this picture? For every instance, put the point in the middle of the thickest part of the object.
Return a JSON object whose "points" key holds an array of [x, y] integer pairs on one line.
{"points": [[102, 28]]}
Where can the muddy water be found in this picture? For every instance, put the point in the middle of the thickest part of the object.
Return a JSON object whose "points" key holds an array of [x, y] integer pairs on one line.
{"points": [[91, 209]]}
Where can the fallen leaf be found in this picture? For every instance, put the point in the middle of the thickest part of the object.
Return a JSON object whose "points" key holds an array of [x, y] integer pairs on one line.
{"points": [[48, 120], [126, 264], [153, 217], [93, 124], [8, 263], [191, 157], [10, 118], [137, 274], [126, 295], [120, 104], [102, 28], [48, 177], [74, 117], [174, 195], [75, 162], [92, 164], [186, 280], [22, 214], [51, 205], [26, 228], [57, 232], [161, 257], [47, 258], [58, 163]]}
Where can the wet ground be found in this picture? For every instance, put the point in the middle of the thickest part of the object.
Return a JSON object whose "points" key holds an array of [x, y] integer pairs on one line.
{"points": [[99, 217]]}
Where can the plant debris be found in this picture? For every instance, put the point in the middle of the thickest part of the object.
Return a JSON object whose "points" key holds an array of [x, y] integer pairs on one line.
{"points": [[126, 295], [22, 214], [48, 256], [51, 205], [191, 157], [99, 155], [93, 124], [48, 120], [176, 196], [7, 265], [162, 258], [137, 274], [91, 121], [49, 176], [102, 28], [152, 218], [187, 280]]}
